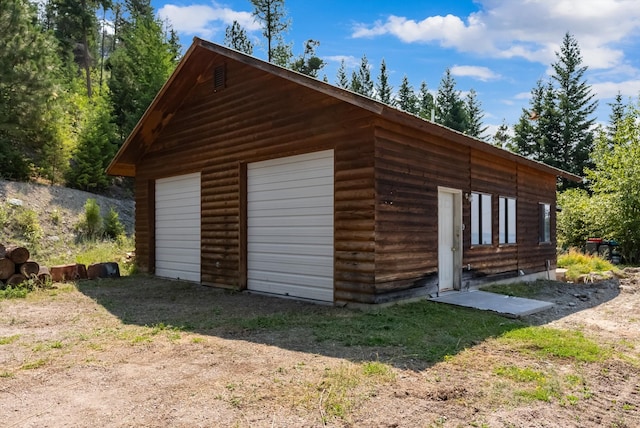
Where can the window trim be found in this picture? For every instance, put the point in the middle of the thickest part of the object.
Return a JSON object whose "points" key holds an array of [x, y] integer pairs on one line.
{"points": [[544, 223], [478, 218], [507, 217]]}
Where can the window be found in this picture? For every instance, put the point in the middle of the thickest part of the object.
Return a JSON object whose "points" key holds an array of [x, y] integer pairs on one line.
{"points": [[545, 223], [480, 219], [507, 214]]}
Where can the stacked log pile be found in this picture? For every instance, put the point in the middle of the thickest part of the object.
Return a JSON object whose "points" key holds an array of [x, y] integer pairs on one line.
{"points": [[16, 267]]}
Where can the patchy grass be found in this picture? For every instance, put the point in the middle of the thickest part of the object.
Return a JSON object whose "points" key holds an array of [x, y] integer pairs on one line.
{"points": [[423, 330], [550, 342]]}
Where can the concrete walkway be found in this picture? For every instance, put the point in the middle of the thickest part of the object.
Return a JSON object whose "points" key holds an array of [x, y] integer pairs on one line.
{"points": [[508, 306]]}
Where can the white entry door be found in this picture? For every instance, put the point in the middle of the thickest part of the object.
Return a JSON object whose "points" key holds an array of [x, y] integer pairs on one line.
{"points": [[449, 238]]}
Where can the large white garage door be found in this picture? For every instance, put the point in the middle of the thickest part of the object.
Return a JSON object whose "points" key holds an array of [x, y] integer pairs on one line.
{"points": [[290, 226], [178, 227]]}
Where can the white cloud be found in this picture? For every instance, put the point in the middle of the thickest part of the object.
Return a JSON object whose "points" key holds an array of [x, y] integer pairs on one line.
{"points": [[522, 28], [629, 88], [480, 73], [349, 60], [204, 20]]}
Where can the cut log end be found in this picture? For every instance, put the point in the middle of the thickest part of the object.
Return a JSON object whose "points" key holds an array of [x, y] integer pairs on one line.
{"points": [[16, 279], [18, 255], [7, 268]]}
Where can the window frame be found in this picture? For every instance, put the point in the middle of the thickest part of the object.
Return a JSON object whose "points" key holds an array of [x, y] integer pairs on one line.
{"points": [[507, 220], [544, 223], [481, 213]]}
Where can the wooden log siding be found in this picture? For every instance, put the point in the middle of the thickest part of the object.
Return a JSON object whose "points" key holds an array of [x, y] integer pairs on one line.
{"points": [[497, 177], [409, 169], [534, 188], [215, 133]]}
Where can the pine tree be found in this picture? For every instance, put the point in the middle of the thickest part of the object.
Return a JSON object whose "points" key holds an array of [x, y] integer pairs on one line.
{"points": [[501, 138], [475, 115], [96, 147], [341, 78], [527, 138], [139, 67], [576, 105], [616, 116], [364, 78], [425, 102], [383, 89], [236, 38], [309, 63], [450, 108], [75, 25], [28, 89], [406, 98], [273, 17], [354, 84]]}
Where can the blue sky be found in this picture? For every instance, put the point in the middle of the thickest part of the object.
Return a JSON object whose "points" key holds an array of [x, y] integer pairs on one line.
{"points": [[500, 48]]}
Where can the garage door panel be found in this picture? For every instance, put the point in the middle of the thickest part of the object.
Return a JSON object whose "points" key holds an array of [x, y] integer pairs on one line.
{"points": [[309, 292], [288, 248], [310, 192], [298, 220], [290, 226], [288, 184], [302, 205], [177, 230], [176, 273], [290, 232]]}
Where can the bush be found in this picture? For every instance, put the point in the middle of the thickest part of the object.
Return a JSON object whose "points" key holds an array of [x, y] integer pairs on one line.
{"points": [[27, 223], [113, 228], [91, 226], [578, 264]]}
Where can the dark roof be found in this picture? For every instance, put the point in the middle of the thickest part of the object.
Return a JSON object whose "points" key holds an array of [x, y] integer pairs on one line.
{"points": [[199, 57]]}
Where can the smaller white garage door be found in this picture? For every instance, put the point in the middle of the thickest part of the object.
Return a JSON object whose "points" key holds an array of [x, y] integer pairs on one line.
{"points": [[178, 227], [290, 226]]}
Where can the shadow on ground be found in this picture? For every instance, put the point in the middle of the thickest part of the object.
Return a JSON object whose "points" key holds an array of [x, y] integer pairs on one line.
{"points": [[410, 336]]}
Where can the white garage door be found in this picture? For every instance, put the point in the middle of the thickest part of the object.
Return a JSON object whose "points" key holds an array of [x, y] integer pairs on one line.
{"points": [[290, 226], [178, 227]]}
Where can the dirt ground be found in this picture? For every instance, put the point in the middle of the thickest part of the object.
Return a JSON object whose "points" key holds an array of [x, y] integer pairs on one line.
{"points": [[82, 356]]}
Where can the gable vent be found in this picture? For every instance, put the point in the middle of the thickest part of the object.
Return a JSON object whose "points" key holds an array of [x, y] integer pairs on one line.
{"points": [[219, 77]]}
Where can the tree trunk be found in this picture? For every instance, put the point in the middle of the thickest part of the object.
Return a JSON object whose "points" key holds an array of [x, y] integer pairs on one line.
{"points": [[7, 268]]}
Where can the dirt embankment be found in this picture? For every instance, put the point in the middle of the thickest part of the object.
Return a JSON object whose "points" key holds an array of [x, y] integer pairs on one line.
{"points": [[59, 209]]}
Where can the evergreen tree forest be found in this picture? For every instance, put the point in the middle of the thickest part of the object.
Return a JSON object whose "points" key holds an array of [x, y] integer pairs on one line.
{"points": [[75, 77]]}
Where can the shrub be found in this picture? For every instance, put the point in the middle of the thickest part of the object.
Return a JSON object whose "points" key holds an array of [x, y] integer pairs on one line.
{"points": [[90, 227], [113, 228], [26, 221], [578, 264]]}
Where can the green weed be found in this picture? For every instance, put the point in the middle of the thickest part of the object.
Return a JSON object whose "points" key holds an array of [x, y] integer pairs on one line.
{"points": [[9, 339], [547, 342], [578, 263], [34, 364]]}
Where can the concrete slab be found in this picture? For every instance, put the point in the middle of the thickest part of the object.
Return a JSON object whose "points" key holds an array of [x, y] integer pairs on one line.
{"points": [[508, 306]]}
